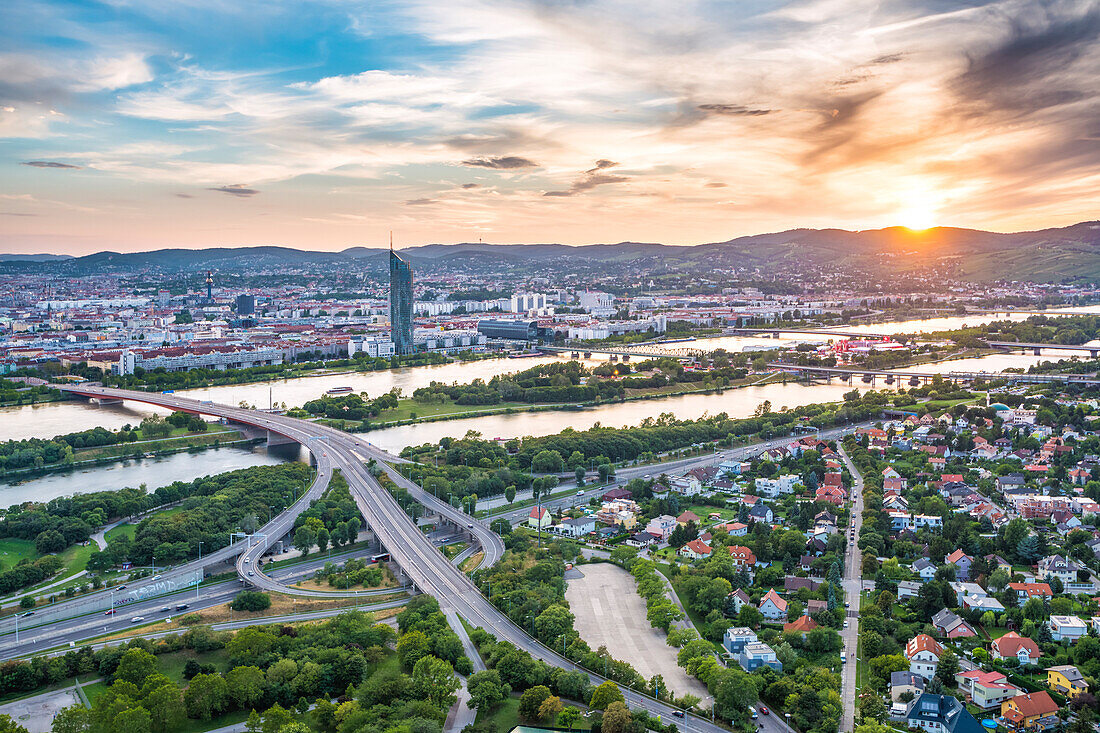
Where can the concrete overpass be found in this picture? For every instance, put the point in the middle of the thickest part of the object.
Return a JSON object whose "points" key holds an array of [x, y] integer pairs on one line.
{"points": [[914, 378], [643, 351], [1038, 348]]}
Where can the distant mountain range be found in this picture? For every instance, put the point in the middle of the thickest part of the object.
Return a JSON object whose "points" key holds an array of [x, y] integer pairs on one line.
{"points": [[1045, 255]]}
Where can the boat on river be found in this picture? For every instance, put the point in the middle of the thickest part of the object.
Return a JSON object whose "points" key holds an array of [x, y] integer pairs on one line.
{"points": [[339, 390]]}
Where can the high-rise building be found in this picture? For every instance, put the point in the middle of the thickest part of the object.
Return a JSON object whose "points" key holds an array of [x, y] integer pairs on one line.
{"points": [[401, 303], [246, 305]]}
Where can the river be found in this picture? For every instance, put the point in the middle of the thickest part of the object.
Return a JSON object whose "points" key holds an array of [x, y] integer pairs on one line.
{"points": [[50, 419]]}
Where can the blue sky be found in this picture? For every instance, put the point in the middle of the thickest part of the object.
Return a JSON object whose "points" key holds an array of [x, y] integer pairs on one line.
{"points": [[135, 125]]}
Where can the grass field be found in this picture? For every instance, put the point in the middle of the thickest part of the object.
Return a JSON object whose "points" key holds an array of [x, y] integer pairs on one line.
{"points": [[122, 530], [13, 550]]}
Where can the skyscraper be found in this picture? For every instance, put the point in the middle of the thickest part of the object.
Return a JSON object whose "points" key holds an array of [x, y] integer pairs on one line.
{"points": [[401, 302]]}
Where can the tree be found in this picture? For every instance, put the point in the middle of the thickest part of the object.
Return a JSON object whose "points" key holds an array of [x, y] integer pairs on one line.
{"points": [[322, 539], [434, 680], [531, 700], [135, 666], [248, 600], [550, 708], [948, 666], [275, 718], [734, 694], [486, 690], [73, 719], [871, 707], [999, 578], [547, 461], [579, 474], [132, 720], [165, 705], [304, 539], [510, 493], [553, 622], [617, 718], [605, 694], [569, 717], [411, 647], [50, 541], [245, 686], [205, 696]]}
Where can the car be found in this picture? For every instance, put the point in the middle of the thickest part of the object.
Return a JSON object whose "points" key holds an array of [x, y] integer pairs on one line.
{"points": [[165, 609], [763, 710], [246, 561], [843, 657], [137, 619], [580, 493], [155, 577], [753, 711], [28, 613], [846, 604], [845, 623], [182, 607], [121, 587], [110, 611], [678, 713], [250, 573], [469, 526]]}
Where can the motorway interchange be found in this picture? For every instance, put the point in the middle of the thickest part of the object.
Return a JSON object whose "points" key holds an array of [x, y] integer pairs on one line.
{"points": [[422, 566]]}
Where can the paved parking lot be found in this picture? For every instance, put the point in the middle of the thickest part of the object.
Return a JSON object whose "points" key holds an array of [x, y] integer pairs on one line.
{"points": [[36, 713], [610, 613]]}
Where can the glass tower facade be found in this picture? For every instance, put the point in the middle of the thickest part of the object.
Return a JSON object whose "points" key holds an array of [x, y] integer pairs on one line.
{"points": [[401, 303]]}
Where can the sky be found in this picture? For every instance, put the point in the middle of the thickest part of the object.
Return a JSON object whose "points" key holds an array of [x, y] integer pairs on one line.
{"points": [[326, 124]]}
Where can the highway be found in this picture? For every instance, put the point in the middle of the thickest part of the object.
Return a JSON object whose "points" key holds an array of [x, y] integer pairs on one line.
{"points": [[420, 561]]}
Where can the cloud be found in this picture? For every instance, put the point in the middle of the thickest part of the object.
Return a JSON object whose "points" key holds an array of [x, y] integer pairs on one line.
{"points": [[602, 164], [508, 162], [589, 181], [237, 189], [734, 110], [468, 186], [714, 184], [51, 164], [16, 213], [420, 202], [183, 195]]}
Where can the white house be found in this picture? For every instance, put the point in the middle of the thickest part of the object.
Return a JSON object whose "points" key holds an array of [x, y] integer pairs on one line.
{"points": [[661, 527], [1067, 627], [773, 607], [923, 653]]}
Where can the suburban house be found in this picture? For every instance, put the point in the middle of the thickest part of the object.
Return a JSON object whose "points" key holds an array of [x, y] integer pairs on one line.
{"points": [[925, 569], [739, 598], [962, 563], [695, 550], [940, 714], [686, 517], [539, 518], [687, 485], [1066, 679], [1033, 711], [800, 625], [905, 681], [640, 540], [756, 655], [1031, 590], [951, 625], [661, 527], [987, 690], [923, 653], [908, 589], [761, 513], [1059, 567], [578, 527], [742, 556], [1013, 645], [773, 607], [1063, 628], [737, 637]]}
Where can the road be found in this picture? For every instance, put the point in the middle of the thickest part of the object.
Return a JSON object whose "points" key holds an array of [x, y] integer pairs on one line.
{"points": [[853, 583], [420, 561]]}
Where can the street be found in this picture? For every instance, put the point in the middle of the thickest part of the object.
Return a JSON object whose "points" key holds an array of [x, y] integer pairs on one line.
{"points": [[852, 586]]}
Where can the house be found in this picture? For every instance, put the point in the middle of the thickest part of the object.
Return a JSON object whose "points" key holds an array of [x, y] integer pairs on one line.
{"points": [[800, 625], [733, 468], [756, 655], [951, 625], [1010, 482], [1033, 711], [1067, 628], [761, 513], [923, 653], [924, 568], [962, 563], [931, 521], [688, 485], [794, 583], [1066, 679], [940, 714], [640, 540], [1013, 645], [987, 690], [1031, 590], [734, 529], [539, 518], [737, 638], [743, 557], [1059, 567], [695, 550], [905, 681], [773, 607], [661, 527], [738, 598], [687, 517], [617, 494], [908, 589], [578, 527]]}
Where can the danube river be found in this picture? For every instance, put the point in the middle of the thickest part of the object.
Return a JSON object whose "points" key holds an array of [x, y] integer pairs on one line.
{"points": [[51, 419]]}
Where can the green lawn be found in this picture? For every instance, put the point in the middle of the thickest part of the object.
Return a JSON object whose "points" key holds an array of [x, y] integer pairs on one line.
{"points": [[702, 511], [506, 717], [122, 530], [13, 550]]}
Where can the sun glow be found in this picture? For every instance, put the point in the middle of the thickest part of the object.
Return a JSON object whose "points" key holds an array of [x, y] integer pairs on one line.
{"points": [[919, 214]]}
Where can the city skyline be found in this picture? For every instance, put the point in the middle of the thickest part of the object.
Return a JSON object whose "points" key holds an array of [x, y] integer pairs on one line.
{"points": [[126, 127]]}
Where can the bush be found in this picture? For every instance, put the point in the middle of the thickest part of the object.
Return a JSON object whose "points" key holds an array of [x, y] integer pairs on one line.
{"points": [[251, 601]]}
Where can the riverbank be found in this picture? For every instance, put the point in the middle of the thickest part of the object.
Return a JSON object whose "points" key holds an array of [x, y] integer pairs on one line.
{"points": [[108, 454]]}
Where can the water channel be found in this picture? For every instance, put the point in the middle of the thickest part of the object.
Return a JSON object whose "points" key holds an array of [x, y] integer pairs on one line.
{"points": [[56, 418]]}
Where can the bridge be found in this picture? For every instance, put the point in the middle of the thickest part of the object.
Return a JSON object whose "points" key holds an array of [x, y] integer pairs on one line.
{"points": [[777, 332], [421, 563], [643, 351], [1037, 349], [917, 378]]}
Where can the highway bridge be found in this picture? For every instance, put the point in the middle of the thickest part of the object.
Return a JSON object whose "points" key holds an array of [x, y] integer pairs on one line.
{"points": [[1037, 349], [916, 378], [421, 563], [642, 351], [778, 332]]}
